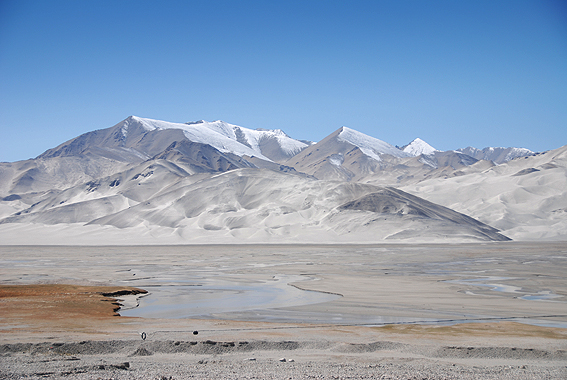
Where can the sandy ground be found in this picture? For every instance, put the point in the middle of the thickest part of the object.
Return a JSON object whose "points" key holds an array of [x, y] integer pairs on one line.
{"points": [[67, 327]]}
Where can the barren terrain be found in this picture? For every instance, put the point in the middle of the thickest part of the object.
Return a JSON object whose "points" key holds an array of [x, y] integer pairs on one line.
{"points": [[496, 310]]}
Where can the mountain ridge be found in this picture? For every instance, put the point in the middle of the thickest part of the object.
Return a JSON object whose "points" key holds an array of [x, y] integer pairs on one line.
{"points": [[198, 181]]}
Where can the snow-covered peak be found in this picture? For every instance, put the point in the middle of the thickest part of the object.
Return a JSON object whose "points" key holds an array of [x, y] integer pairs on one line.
{"points": [[277, 132], [255, 138], [370, 146], [218, 134], [418, 147], [230, 138], [497, 155]]}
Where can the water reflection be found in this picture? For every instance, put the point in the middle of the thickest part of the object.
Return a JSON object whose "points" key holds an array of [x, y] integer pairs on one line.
{"points": [[213, 296]]}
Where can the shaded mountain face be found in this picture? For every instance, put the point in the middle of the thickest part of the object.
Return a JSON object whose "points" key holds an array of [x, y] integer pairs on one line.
{"points": [[201, 158], [137, 139], [344, 155], [214, 181], [396, 202]]}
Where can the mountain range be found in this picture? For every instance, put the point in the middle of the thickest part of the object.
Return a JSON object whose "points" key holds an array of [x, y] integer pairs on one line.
{"points": [[147, 181]]}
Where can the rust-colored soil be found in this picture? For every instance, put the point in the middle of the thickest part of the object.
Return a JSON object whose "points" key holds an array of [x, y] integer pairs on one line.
{"points": [[57, 305]]}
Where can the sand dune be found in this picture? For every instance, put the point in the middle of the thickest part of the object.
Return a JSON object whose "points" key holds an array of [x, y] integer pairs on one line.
{"points": [[254, 205], [525, 198]]}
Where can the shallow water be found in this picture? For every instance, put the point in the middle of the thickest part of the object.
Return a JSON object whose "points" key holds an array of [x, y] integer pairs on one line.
{"points": [[214, 296], [237, 282], [486, 282]]}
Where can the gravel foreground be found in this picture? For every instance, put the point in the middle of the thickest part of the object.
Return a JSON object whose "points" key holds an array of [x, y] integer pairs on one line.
{"points": [[162, 360]]}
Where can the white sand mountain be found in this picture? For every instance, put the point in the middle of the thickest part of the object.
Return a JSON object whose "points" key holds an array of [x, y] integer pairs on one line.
{"points": [[525, 198], [146, 181], [245, 205]]}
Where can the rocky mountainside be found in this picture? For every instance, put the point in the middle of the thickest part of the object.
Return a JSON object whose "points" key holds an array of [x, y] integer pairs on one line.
{"points": [[159, 182], [136, 139]]}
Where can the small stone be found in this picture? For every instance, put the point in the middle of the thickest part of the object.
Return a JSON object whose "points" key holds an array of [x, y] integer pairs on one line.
{"points": [[142, 351], [124, 365]]}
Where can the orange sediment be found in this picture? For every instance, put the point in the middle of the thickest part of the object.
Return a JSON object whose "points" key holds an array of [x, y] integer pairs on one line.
{"points": [[59, 303]]}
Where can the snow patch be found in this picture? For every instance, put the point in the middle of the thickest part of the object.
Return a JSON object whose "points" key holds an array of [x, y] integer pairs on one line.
{"points": [[124, 130], [370, 146], [337, 159]]}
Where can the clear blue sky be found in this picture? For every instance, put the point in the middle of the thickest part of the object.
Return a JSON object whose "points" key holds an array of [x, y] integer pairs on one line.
{"points": [[454, 73]]}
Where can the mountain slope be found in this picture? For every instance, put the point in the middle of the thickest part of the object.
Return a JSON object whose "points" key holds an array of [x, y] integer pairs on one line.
{"points": [[248, 205], [344, 155], [136, 139], [348, 155], [53, 174], [199, 147], [525, 198], [214, 181], [273, 144]]}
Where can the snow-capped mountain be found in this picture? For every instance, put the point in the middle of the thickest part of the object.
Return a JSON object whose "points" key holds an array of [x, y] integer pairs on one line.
{"points": [[269, 145], [218, 134], [206, 180], [418, 147], [370, 146], [198, 147], [345, 155], [137, 139], [273, 144], [201, 147], [496, 155]]}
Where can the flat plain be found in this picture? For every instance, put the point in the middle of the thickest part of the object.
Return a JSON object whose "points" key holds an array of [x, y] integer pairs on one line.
{"points": [[494, 310]]}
